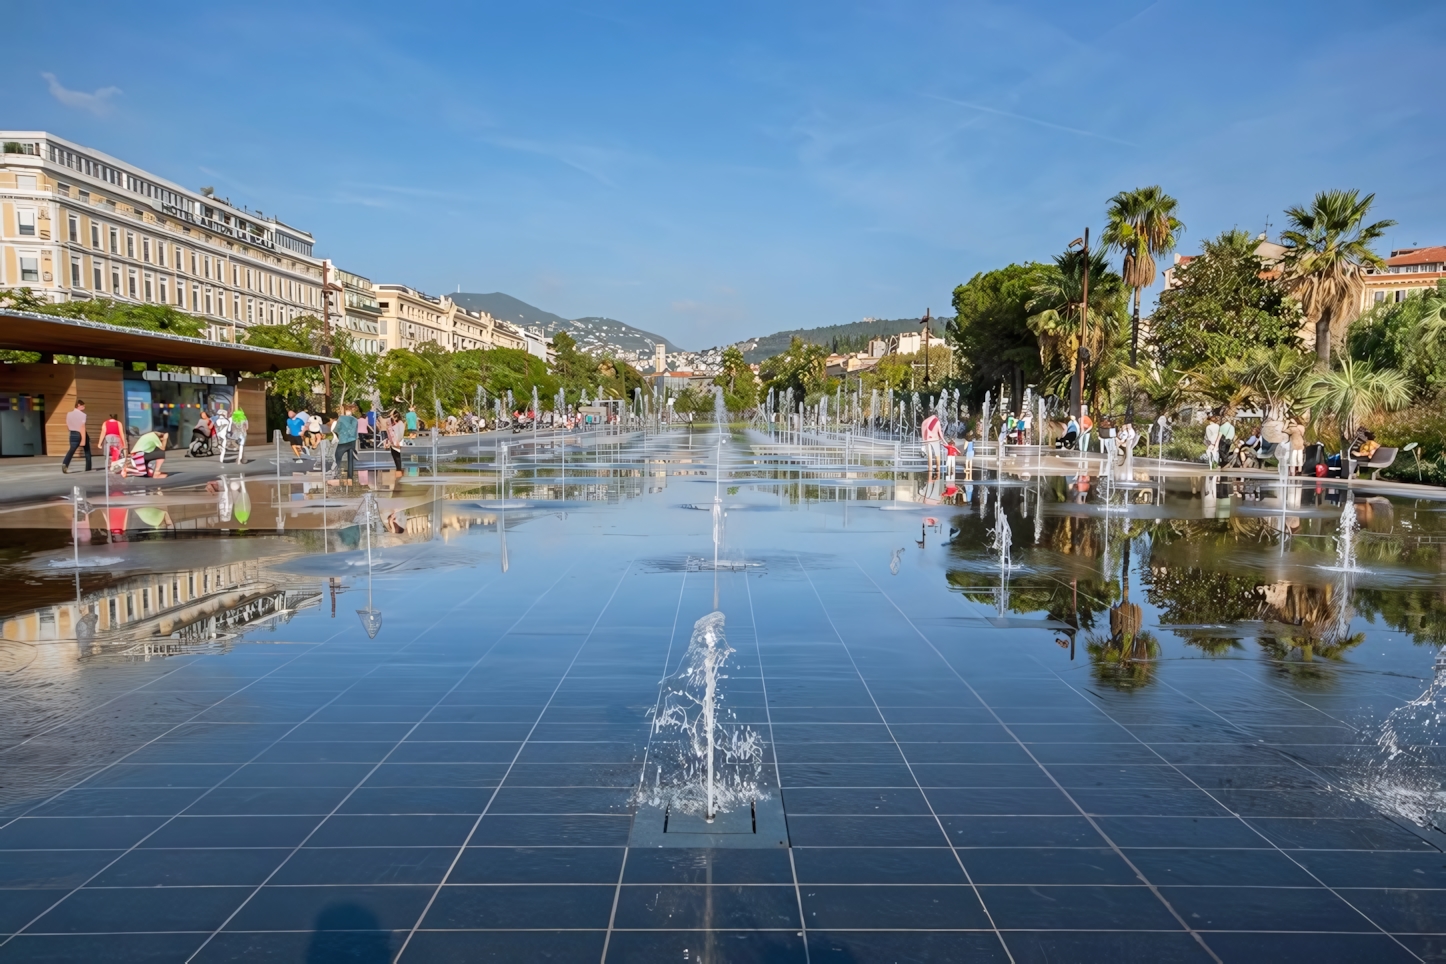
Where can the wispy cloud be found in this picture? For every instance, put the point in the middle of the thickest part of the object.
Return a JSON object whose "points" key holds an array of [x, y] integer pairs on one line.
{"points": [[1030, 120], [97, 103]]}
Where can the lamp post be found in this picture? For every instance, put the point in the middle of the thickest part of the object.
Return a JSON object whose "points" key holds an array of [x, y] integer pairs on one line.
{"points": [[1082, 356], [925, 339]]}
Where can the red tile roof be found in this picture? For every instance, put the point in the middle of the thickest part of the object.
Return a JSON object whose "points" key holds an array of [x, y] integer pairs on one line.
{"points": [[1431, 255]]}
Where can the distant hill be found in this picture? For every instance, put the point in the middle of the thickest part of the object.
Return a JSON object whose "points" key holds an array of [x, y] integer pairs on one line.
{"points": [[853, 336], [592, 333]]}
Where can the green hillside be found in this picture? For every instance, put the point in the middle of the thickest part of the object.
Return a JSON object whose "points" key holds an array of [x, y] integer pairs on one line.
{"points": [[853, 336]]}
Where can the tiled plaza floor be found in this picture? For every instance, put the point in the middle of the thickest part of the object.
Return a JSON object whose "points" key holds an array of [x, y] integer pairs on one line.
{"points": [[458, 788]]}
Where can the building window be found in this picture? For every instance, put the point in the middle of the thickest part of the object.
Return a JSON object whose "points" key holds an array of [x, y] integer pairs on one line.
{"points": [[180, 293], [206, 264], [208, 301], [1380, 297], [73, 224], [195, 297], [146, 250], [130, 245], [97, 277], [193, 262], [114, 243], [29, 268], [95, 235], [25, 221], [75, 273], [235, 306], [115, 286], [250, 310], [163, 299], [131, 278], [161, 253]]}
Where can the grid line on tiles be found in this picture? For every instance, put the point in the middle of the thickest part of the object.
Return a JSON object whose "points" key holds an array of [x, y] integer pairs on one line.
{"points": [[168, 820], [238, 767], [1253, 829], [777, 771], [412, 932], [1044, 769], [187, 664], [642, 778], [186, 722], [988, 915], [320, 823], [1283, 692]]}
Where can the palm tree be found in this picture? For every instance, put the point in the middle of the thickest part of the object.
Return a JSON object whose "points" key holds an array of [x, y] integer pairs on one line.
{"points": [[1353, 393], [1142, 226], [1328, 248], [1055, 317]]}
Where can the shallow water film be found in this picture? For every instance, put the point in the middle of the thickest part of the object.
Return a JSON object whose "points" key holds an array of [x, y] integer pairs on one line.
{"points": [[702, 696]]}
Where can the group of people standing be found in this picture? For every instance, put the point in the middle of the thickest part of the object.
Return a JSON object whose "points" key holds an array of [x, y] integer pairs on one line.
{"points": [[146, 456]]}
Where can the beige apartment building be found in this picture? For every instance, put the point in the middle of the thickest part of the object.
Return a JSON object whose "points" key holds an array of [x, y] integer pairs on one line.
{"points": [[76, 223], [1407, 271], [354, 308], [410, 318]]}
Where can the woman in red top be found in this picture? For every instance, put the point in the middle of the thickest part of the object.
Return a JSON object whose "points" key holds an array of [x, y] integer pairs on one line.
{"points": [[112, 441]]}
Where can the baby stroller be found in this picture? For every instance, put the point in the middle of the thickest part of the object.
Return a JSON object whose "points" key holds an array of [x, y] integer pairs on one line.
{"points": [[1069, 441], [1244, 457], [201, 444], [1314, 462]]}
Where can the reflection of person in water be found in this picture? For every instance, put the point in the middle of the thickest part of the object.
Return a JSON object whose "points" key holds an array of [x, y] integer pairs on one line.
{"points": [[154, 516]]}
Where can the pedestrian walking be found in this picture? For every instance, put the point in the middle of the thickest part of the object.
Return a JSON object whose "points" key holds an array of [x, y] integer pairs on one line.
{"points": [[931, 432], [346, 433], [75, 424], [395, 429]]}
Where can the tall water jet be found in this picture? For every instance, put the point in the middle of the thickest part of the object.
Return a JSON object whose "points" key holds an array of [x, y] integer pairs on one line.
{"points": [[1346, 537], [704, 765]]}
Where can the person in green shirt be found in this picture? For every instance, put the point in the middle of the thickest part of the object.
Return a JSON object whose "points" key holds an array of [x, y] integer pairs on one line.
{"points": [[346, 427], [148, 456]]}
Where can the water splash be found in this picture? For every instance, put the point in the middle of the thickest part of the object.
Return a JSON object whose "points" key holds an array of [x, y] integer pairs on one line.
{"points": [[703, 765], [1346, 539], [1398, 773]]}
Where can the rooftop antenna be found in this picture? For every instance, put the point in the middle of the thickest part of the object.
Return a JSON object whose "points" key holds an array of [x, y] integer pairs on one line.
{"points": [[1267, 227]]}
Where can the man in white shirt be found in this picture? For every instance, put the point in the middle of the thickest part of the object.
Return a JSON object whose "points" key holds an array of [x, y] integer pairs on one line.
{"points": [[1212, 441], [75, 424]]}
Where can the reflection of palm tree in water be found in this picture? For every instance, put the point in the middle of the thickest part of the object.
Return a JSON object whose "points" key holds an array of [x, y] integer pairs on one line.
{"points": [[1127, 658], [1313, 621]]}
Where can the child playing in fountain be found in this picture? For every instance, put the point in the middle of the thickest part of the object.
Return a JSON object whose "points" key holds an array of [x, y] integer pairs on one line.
{"points": [[969, 457], [951, 452]]}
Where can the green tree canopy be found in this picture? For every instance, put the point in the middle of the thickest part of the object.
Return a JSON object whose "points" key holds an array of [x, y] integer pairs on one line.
{"points": [[740, 386], [1408, 336], [990, 330], [1222, 306], [803, 368]]}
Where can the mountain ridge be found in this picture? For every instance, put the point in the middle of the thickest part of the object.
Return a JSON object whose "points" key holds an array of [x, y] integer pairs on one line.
{"points": [[592, 332]]}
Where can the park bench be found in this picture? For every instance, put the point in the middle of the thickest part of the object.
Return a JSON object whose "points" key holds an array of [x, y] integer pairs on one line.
{"points": [[1381, 459]]}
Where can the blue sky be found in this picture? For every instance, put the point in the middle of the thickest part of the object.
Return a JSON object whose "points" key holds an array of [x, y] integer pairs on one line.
{"points": [[711, 172]]}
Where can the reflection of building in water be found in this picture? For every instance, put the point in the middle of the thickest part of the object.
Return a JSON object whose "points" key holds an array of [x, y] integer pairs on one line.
{"points": [[173, 608]]}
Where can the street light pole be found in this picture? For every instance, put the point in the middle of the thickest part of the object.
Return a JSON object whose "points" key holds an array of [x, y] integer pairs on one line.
{"points": [[1083, 353], [925, 339], [326, 334]]}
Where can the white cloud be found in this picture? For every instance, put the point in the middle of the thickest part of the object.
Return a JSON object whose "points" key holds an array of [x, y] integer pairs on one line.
{"points": [[97, 103]]}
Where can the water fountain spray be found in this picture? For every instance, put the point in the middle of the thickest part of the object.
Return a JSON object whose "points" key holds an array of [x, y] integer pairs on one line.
{"points": [[707, 767]]}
